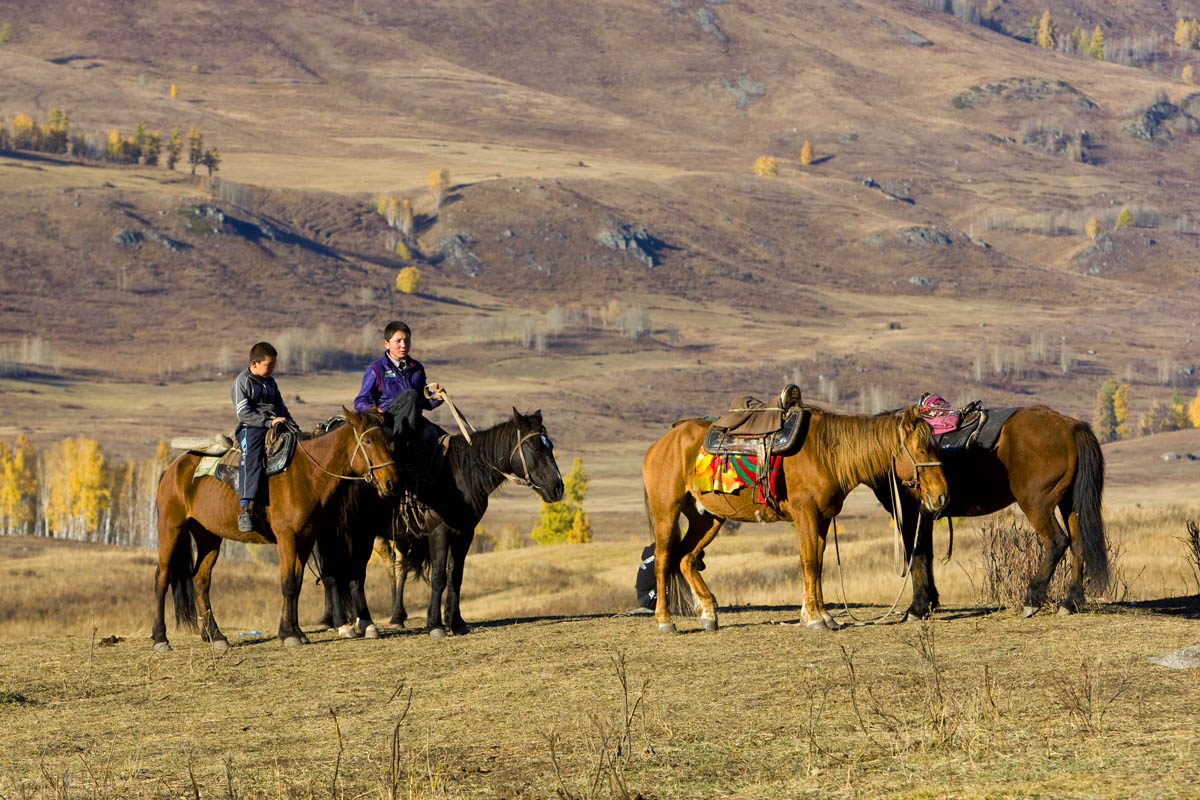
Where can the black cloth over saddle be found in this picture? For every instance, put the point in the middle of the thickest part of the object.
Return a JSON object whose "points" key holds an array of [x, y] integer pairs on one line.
{"points": [[280, 448], [414, 438], [980, 427]]}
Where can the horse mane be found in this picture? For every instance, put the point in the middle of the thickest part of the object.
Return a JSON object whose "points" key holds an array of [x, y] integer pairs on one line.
{"points": [[476, 465], [856, 448]]}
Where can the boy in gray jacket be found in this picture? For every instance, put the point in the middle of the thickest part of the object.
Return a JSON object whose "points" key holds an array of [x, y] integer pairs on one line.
{"points": [[259, 406]]}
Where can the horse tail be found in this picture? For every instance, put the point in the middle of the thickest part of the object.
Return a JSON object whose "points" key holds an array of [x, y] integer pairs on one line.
{"points": [[681, 601], [180, 567], [1085, 502]]}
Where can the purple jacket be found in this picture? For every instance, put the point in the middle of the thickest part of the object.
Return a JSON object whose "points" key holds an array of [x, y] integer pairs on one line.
{"points": [[383, 382]]}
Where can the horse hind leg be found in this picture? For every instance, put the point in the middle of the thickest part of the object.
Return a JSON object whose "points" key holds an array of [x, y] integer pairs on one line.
{"points": [[174, 571], [208, 548], [702, 529], [1055, 542], [1073, 601]]}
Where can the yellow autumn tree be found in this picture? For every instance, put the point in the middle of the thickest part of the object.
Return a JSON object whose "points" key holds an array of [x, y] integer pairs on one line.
{"points": [[1120, 401], [406, 220], [1047, 33], [764, 166], [1187, 33], [1092, 227], [381, 203], [23, 129], [76, 491], [1188, 74], [174, 91], [18, 485], [1193, 411], [806, 152], [1124, 219], [438, 182], [404, 254], [1096, 46], [565, 521], [116, 146], [408, 279]]}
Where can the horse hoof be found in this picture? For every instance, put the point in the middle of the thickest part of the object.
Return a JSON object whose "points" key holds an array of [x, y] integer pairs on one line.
{"points": [[293, 641], [163, 647], [818, 625], [462, 630], [371, 632], [348, 632], [1028, 612], [1065, 611], [321, 627], [709, 624], [437, 633], [220, 644], [667, 628]]}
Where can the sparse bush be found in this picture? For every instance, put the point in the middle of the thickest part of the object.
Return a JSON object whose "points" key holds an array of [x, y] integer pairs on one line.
{"points": [[1011, 551], [1092, 227], [408, 279], [306, 350], [5, 33], [633, 322], [764, 167], [1188, 74]]}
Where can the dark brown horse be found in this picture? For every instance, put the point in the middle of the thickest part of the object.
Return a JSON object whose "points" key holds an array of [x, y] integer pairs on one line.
{"points": [[453, 496], [837, 453], [1042, 461], [206, 510]]}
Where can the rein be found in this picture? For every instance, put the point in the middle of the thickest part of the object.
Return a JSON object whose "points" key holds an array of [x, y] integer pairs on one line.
{"points": [[358, 446], [517, 479]]}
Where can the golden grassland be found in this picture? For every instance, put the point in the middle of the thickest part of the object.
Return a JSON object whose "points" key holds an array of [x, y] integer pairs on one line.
{"points": [[537, 698]]}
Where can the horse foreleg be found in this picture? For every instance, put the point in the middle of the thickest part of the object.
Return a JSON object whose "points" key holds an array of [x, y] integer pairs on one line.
{"points": [[208, 548], [393, 562], [358, 595], [810, 538], [460, 543], [439, 546], [924, 592], [1054, 543], [291, 573]]}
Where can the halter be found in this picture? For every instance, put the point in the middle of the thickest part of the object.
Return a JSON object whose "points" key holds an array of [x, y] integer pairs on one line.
{"points": [[915, 481], [358, 447]]}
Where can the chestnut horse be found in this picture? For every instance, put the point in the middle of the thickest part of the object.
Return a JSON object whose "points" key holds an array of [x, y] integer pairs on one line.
{"points": [[206, 511], [837, 453], [1043, 460]]}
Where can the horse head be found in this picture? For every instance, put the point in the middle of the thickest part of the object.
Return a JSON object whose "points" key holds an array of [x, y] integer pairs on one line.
{"points": [[372, 453], [532, 457], [918, 464]]}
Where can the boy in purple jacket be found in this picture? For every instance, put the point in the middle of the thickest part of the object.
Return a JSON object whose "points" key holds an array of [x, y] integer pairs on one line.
{"points": [[395, 383]]}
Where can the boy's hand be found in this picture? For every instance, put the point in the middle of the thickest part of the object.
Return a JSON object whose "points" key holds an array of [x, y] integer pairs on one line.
{"points": [[278, 420], [436, 390]]}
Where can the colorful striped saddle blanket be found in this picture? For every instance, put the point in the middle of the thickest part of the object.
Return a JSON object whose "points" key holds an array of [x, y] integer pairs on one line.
{"points": [[732, 473]]}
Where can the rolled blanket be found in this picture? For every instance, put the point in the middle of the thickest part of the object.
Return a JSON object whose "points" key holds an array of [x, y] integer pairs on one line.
{"points": [[205, 445]]}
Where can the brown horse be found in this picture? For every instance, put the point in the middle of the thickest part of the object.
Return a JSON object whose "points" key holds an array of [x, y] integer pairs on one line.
{"points": [[837, 453], [207, 510], [1043, 460]]}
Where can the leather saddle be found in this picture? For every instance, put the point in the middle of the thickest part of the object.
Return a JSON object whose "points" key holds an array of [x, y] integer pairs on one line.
{"points": [[752, 428], [279, 449]]}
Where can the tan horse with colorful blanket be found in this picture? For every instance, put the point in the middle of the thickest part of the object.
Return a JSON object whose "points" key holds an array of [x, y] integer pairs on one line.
{"points": [[837, 453]]}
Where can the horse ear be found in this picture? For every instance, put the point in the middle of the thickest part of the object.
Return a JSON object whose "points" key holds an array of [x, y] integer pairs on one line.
{"points": [[348, 414], [536, 417], [516, 414]]}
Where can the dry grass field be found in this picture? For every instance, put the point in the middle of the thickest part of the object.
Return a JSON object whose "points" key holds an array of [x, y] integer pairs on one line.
{"points": [[556, 690], [935, 243]]}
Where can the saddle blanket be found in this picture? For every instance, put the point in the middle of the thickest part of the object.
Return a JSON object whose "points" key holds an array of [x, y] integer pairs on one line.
{"points": [[732, 473]]}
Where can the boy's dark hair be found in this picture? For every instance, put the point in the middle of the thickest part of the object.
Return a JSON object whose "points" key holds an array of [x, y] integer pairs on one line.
{"points": [[262, 351], [392, 327]]}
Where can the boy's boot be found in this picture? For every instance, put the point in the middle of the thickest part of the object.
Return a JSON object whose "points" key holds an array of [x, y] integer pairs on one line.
{"points": [[245, 521]]}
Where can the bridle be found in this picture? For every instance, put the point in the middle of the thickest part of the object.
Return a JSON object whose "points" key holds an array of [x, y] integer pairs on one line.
{"points": [[915, 481], [527, 479], [359, 447]]}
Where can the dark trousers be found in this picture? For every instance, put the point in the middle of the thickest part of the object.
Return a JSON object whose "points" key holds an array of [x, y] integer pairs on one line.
{"points": [[250, 471]]}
